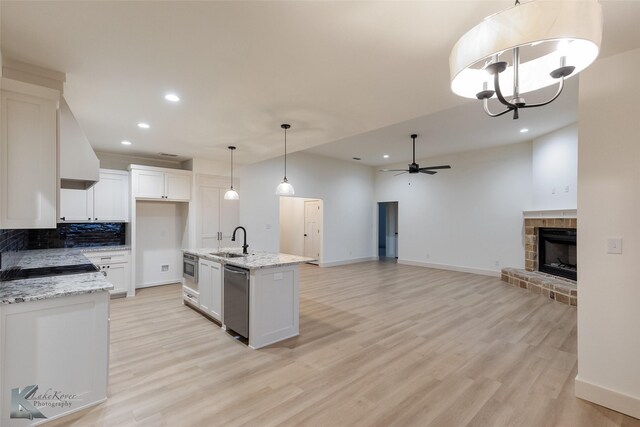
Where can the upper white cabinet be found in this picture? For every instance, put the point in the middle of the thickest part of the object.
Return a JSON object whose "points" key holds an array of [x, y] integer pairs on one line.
{"points": [[154, 183], [28, 157], [107, 201], [216, 217], [111, 196]]}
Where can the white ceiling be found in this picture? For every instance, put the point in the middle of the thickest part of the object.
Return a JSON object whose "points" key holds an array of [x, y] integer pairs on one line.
{"points": [[334, 70]]}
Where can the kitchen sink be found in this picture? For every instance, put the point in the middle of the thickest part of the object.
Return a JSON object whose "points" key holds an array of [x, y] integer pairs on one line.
{"points": [[227, 255]]}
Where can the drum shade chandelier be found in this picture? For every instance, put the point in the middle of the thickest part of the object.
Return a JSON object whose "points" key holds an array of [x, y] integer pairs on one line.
{"points": [[284, 188], [525, 48]]}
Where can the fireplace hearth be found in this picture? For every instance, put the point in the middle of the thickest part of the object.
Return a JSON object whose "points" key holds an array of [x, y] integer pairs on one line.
{"points": [[557, 252]]}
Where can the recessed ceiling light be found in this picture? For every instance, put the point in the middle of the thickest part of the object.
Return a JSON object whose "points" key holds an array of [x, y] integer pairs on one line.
{"points": [[524, 130], [143, 125], [386, 156], [172, 97], [126, 142]]}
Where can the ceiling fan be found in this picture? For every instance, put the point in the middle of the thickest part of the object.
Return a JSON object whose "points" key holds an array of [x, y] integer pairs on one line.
{"points": [[414, 167]]}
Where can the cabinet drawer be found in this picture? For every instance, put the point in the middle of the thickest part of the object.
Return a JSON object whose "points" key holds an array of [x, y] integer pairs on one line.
{"points": [[108, 257], [190, 296]]}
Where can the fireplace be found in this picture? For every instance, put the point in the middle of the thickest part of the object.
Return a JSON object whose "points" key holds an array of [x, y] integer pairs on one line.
{"points": [[557, 252]]}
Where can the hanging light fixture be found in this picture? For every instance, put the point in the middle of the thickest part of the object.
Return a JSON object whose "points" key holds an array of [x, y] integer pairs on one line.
{"points": [[231, 194], [525, 48], [284, 188]]}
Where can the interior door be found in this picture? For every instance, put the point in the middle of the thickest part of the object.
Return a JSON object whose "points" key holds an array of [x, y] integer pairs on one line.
{"points": [[312, 228], [229, 220], [209, 201]]}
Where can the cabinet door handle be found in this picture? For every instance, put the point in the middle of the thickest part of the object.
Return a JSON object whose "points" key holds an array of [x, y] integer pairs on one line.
{"points": [[63, 218], [95, 219]]}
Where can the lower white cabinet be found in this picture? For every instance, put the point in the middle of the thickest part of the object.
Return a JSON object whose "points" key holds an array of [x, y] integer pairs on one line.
{"points": [[117, 268], [210, 288]]}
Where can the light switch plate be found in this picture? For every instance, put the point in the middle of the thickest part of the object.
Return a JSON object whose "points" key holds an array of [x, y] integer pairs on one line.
{"points": [[614, 246]]}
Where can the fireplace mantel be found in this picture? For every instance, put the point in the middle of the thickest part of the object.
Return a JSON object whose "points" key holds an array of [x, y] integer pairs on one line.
{"points": [[551, 213]]}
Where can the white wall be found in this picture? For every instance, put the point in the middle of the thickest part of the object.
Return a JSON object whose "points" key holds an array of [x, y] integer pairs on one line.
{"points": [[465, 218], [609, 206], [346, 189], [160, 231], [555, 169]]}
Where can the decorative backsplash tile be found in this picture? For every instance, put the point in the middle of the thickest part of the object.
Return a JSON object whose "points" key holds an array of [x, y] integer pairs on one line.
{"points": [[78, 236]]}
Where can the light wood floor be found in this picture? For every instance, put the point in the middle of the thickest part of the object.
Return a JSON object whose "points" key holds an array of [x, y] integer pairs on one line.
{"points": [[381, 344]]}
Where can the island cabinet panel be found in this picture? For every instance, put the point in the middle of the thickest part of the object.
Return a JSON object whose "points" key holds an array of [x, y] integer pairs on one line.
{"points": [[59, 345], [210, 288], [273, 305]]}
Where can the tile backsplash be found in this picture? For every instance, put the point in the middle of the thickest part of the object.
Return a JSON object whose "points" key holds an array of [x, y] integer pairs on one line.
{"points": [[78, 235], [64, 236]]}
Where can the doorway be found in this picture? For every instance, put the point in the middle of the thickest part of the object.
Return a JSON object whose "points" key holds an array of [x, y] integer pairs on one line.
{"points": [[388, 230], [301, 227]]}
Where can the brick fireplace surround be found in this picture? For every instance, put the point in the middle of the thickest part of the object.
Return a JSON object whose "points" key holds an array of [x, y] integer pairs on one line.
{"points": [[556, 288]]}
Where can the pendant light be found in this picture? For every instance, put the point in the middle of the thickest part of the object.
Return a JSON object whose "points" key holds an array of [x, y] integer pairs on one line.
{"points": [[557, 39], [284, 188], [231, 194]]}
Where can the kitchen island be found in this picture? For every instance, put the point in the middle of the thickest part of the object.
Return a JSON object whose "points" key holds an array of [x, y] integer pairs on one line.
{"points": [[54, 344], [273, 291]]}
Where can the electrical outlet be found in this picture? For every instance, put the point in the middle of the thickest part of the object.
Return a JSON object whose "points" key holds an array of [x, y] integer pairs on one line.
{"points": [[164, 267]]}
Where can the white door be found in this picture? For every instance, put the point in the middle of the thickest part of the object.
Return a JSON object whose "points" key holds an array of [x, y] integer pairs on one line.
{"points": [[148, 184], [177, 186], [76, 205], [229, 220], [28, 162], [111, 195], [209, 221], [312, 228]]}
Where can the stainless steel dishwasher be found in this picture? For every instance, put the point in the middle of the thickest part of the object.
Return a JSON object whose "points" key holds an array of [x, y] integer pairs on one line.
{"points": [[236, 299]]}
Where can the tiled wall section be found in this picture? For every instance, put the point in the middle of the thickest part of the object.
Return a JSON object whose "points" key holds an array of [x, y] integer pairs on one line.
{"points": [[10, 242], [531, 226], [78, 235]]}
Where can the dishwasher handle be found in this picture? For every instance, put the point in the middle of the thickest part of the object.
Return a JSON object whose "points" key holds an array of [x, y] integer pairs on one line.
{"points": [[236, 270]]}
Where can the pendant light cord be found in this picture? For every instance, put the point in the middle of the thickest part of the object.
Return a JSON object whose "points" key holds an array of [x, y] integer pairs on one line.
{"points": [[285, 154], [232, 169]]}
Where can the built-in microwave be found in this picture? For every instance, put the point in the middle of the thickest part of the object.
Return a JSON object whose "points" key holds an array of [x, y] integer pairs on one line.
{"points": [[190, 268]]}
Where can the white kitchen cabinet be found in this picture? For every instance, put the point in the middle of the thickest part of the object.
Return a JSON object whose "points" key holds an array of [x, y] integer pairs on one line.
{"points": [[28, 144], [216, 217], [111, 197], [210, 288], [154, 183], [106, 201], [117, 267]]}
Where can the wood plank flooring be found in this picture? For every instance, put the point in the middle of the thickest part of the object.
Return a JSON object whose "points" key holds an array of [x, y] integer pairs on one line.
{"points": [[381, 344]]}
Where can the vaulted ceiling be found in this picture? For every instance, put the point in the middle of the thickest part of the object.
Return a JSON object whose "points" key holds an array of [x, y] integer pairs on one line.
{"points": [[358, 75]]}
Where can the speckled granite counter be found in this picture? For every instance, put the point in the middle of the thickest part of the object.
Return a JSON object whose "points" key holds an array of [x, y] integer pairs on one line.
{"points": [[104, 248], [254, 260], [39, 288]]}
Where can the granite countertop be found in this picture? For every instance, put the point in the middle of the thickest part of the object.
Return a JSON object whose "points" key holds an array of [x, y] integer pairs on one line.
{"points": [[104, 248], [40, 258], [254, 260], [39, 288]]}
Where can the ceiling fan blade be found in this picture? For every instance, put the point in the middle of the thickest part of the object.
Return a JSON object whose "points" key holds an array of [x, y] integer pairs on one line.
{"points": [[435, 167], [401, 173], [393, 170], [429, 172]]}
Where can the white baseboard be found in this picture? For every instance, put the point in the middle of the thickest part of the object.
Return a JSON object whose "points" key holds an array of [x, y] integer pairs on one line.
{"points": [[450, 267], [348, 261], [621, 402], [162, 282]]}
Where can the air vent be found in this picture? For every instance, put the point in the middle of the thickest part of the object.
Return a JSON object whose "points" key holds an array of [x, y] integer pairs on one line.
{"points": [[168, 155]]}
